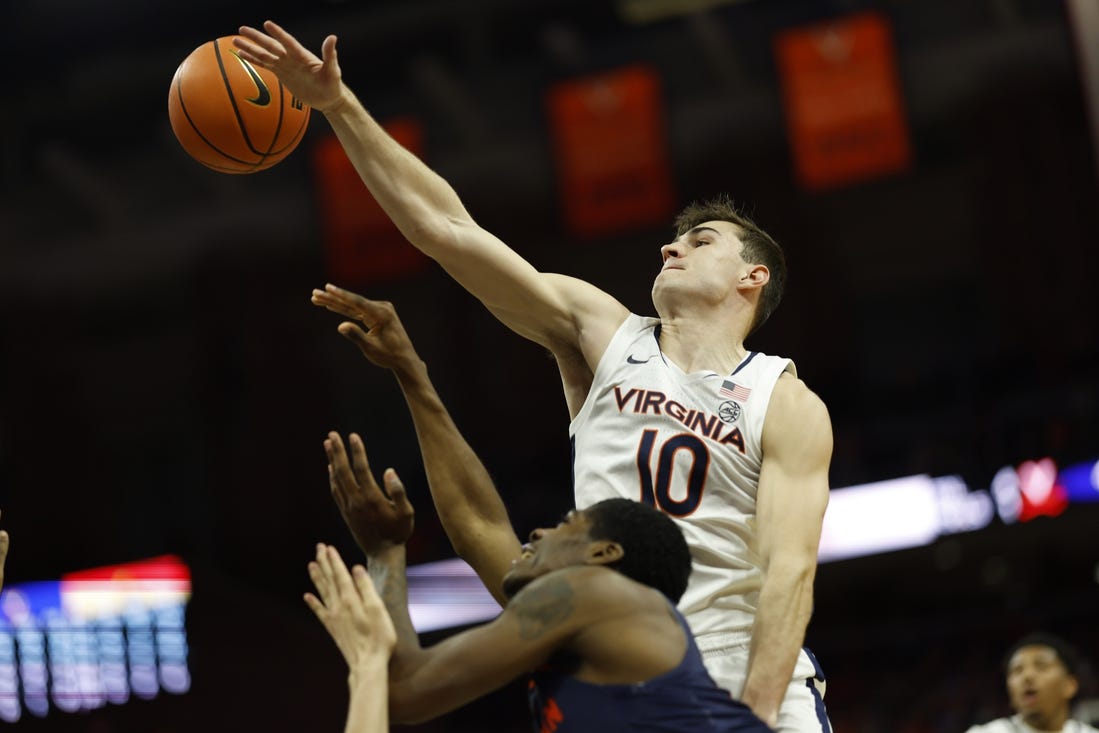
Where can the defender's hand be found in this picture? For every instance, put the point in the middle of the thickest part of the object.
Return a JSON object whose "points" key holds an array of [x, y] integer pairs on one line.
{"points": [[375, 516], [382, 339]]}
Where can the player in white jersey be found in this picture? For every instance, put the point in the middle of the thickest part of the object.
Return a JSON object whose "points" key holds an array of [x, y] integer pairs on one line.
{"points": [[1041, 683], [692, 445], [721, 277]]}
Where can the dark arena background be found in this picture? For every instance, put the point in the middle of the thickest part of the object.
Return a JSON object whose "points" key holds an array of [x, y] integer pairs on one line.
{"points": [[165, 384]]}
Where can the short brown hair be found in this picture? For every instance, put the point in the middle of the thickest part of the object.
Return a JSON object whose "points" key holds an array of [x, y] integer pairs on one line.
{"points": [[758, 248]]}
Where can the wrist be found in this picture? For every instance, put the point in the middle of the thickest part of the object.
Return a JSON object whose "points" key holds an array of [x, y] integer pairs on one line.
{"points": [[338, 105], [372, 670], [411, 372]]}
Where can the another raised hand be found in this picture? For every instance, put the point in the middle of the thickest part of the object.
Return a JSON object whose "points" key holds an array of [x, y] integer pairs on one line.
{"points": [[377, 518], [315, 81], [381, 337], [355, 618], [350, 608]]}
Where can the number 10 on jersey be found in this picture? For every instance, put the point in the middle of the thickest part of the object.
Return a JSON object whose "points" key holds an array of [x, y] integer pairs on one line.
{"points": [[656, 488]]}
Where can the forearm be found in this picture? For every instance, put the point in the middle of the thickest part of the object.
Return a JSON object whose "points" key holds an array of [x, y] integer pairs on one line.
{"points": [[785, 604], [465, 497], [387, 571], [368, 708], [418, 200]]}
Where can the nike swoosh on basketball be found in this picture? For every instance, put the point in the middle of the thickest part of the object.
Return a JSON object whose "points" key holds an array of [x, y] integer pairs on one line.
{"points": [[631, 360], [263, 94]]}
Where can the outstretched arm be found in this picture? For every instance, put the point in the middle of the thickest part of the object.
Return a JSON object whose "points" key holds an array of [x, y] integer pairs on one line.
{"points": [[565, 315], [466, 500], [543, 617], [793, 494]]}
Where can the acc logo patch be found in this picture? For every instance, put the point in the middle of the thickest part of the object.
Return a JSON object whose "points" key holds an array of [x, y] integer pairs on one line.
{"points": [[728, 411]]}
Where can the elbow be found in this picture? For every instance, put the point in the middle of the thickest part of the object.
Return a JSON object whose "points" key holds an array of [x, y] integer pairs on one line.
{"points": [[404, 707], [791, 571], [435, 232]]}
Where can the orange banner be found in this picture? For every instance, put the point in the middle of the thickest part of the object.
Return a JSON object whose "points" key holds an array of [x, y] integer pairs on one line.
{"points": [[844, 110], [362, 246], [611, 148]]}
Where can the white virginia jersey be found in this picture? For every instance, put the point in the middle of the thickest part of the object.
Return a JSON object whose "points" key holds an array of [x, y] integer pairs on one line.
{"points": [[688, 444]]}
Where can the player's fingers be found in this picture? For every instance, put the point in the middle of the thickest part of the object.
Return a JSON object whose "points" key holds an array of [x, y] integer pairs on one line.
{"points": [[365, 587], [333, 485], [316, 606], [395, 488], [367, 310], [354, 334], [334, 303], [360, 463], [257, 42], [341, 466], [341, 578], [280, 35], [320, 581], [328, 53]]}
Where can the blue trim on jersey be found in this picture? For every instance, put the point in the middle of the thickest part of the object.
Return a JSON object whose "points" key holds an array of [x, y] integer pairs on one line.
{"points": [[818, 700], [751, 355], [817, 669], [818, 703], [656, 337]]}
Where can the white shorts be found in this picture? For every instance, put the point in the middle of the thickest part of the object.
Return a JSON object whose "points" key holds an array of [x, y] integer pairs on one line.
{"points": [[802, 711]]}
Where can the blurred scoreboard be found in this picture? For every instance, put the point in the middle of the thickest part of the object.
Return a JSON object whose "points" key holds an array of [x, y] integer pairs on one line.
{"points": [[94, 637]]}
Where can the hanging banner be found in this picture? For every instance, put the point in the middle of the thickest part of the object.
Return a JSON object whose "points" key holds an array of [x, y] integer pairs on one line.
{"points": [[611, 149], [844, 111], [361, 245]]}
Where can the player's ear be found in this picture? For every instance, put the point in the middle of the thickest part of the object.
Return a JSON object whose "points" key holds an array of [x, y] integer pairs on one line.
{"points": [[604, 552], [756, 276], [1070, 687]]}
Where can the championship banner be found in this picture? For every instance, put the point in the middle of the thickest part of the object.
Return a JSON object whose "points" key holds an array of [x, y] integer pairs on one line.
{"points": [[362, 246], [844, 111], [611, 149]]}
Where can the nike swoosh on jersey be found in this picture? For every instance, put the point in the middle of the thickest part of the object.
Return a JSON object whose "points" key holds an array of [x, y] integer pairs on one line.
{"points": [[631, 360]]}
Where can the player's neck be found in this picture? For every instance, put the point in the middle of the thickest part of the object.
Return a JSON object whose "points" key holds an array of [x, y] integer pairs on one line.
{"points": [[697, 344]]}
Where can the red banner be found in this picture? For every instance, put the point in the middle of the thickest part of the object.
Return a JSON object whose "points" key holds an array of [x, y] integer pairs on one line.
{"points": [[362, 246], [844, 110], [611, 148]]}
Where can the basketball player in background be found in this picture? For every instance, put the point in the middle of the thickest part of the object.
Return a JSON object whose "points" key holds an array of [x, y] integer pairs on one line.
{"points": [[674, 411], [1041, 680], [588, 614]]}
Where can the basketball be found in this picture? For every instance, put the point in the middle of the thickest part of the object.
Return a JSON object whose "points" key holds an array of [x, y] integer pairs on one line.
{"points": [[232, 116]]}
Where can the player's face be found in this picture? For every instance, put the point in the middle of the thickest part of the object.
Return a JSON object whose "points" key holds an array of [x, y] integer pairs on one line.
{"points": [[704, 263], [550, 549], [1039, 686]]}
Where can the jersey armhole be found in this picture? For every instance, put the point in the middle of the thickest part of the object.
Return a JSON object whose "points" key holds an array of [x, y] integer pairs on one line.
{"points": [[613, 353]]}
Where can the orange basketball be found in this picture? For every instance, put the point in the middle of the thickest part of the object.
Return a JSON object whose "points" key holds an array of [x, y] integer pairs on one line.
{"points": [[230, 115]]}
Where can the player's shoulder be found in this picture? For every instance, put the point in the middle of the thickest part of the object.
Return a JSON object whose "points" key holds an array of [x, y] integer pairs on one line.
{"points": [[604, 587], [791, 394]]}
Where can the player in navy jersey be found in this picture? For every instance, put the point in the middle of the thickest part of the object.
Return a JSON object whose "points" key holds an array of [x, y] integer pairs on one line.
{"points": [[674, 411], [589, 615]]}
